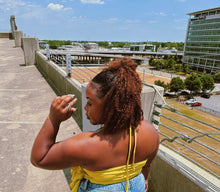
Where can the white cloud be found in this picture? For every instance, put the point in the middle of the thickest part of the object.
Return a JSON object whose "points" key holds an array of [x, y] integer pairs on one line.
{"points": [[92, 1], [7, 5], [55, 6]]}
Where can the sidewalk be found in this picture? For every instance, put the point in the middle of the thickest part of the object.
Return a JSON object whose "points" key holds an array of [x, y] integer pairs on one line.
{"points": [[25, 99]]}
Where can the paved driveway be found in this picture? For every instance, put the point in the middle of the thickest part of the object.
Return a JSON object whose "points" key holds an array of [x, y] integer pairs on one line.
{"points": [[212, 103]]}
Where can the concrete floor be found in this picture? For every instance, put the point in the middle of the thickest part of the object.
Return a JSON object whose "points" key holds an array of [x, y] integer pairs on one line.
{"points": [[25, 99]]}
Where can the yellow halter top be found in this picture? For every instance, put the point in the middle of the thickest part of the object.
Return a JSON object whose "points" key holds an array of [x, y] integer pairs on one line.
{"points": [[111, 175]]}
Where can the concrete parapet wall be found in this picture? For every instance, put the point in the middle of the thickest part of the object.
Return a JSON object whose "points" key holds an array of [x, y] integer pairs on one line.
{"points": [[172, 172], [6, 35], [62, 85], [18, 36], [30, 46]]}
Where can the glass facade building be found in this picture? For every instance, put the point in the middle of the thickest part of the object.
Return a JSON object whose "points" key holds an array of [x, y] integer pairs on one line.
{"points": [[202, 45]]}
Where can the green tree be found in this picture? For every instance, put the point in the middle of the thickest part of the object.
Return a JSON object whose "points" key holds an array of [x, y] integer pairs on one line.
{"points": [[159, 64], [178, 67], [217, 76], [186, 68], [161, 84], [151, 61], [67, 42], [193, 83], [164, 44], [207, 82], [176, 84], [103, 44], [170, 63]]}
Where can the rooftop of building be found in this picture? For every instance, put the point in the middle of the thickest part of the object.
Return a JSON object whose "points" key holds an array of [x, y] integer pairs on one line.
{"points": [[213, 10]]}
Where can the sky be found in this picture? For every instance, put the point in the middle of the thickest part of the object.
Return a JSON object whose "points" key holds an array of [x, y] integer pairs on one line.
{"points": [[102, 20]]}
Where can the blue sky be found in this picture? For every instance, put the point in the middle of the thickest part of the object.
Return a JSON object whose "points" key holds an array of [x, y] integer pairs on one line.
{"points": [[102, 20]]}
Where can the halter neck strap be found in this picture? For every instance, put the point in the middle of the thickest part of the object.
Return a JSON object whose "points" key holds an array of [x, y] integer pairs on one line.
{"points": [[129, 153]]}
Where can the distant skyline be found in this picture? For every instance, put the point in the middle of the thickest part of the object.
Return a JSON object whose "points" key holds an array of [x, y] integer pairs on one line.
{"points": [[102, 20]]}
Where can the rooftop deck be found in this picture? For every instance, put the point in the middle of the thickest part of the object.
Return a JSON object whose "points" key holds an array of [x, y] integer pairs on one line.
{"points": [[25, 98]]}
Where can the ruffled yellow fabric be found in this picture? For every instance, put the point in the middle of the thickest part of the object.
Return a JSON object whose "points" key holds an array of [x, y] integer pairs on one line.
{"points": [[105, 177], [77, 175], [108, 176]]}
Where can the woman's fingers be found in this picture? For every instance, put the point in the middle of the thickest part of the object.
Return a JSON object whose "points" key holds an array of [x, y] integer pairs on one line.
{"points": [[72, 103], [67, 103], [62, 107], [66, 99]]}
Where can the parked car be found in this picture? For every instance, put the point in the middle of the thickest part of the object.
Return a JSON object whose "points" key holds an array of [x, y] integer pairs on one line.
{"points": [[169, 94], [196, 104], [185, 92], [190, 101], [206, 95]]}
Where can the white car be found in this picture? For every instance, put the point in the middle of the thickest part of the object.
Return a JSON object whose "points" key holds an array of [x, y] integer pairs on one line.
{"points": [[190, 101]]}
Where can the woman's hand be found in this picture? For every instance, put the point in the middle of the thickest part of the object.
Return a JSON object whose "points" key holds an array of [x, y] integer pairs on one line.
{"points": [[61, 109]]}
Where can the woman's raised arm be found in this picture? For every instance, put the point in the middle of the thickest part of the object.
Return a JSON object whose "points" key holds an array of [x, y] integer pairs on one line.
{"points": [[45, 150]]}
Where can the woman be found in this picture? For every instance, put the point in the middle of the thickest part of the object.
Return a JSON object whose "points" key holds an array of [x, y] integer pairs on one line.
{"points": [[114, 157]]}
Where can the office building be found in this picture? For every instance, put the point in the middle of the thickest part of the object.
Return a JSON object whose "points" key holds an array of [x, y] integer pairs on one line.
{"points": [[202, 44]]}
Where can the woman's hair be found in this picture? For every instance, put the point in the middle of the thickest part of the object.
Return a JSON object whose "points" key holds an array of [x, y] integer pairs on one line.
{"points": [[120, 87]]}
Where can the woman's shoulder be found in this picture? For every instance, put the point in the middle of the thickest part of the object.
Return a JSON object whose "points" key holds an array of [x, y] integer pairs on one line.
{"points": [[148, 136], [147, 127]]}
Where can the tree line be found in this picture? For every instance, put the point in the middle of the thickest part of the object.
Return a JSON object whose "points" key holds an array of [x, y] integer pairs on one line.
{"points": [[54, 44], [174, 64], [193, 82]]}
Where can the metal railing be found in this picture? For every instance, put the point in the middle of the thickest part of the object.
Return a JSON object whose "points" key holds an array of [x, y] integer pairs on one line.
{"points": [[81, 74], [171, 135]]}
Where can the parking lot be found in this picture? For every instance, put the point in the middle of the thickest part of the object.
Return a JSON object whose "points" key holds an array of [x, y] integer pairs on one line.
{"points": [[213, 103]]}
